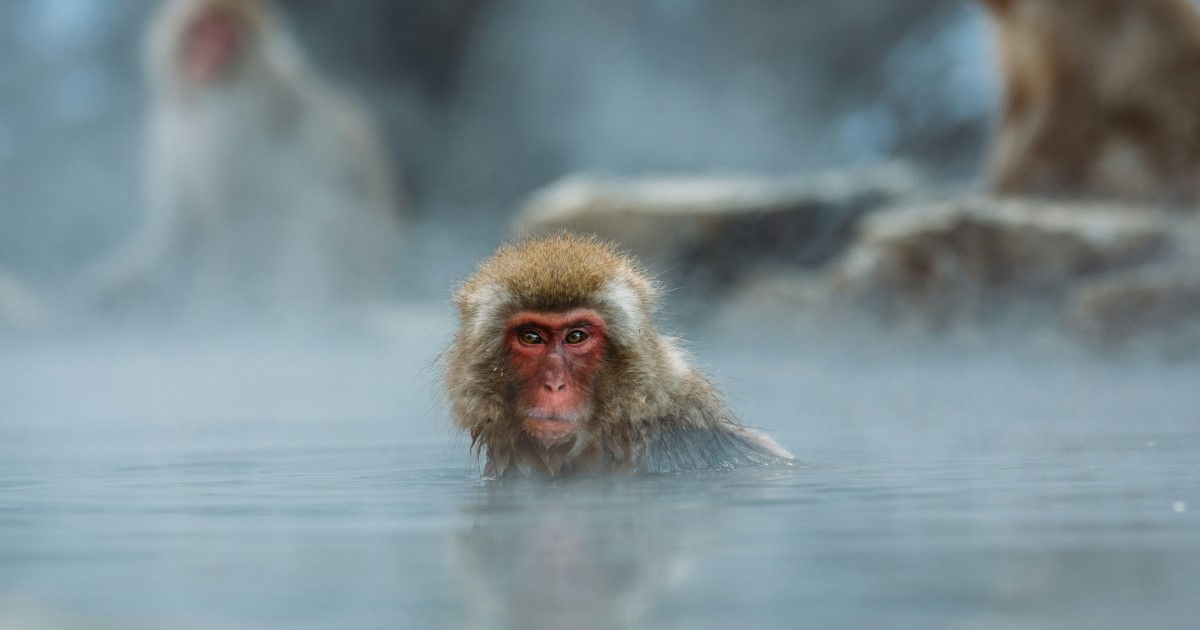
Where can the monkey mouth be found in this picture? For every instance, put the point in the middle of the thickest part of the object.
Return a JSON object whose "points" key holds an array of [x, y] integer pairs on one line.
{"points": [[549, 429]]}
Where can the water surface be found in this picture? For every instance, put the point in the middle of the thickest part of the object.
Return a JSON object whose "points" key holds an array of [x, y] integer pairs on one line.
{"points": [[317, 485]]}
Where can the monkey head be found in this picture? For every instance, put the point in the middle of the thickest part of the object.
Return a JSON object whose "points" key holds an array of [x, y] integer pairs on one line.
{"points": [[550, 329], [197, 44], [213, 44]]}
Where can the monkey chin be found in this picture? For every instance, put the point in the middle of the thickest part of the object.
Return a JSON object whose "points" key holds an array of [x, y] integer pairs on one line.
{"points": [[550, 431]]}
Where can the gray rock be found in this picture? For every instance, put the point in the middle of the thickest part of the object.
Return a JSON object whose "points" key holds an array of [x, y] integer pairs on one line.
{"points": [[1162, 300], [969, 258], [711, 229]]}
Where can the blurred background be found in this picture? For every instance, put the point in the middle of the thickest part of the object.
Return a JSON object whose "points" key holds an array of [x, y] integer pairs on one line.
{"points": [[225, 286], [481, 103]]}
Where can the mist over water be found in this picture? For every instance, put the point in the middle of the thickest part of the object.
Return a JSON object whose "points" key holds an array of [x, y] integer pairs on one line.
{"points": [[251, 482], [242, 472]]}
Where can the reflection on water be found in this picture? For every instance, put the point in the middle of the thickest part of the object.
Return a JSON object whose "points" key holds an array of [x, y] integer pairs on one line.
{"points": [[591, 553], [307, 487]]}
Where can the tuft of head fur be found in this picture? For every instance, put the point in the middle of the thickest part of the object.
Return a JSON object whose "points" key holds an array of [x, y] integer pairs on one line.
{"points": [[560, 273], [643, 391]]}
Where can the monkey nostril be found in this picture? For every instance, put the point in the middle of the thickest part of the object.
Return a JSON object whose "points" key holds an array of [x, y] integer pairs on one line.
{"points": [[562, 386]]}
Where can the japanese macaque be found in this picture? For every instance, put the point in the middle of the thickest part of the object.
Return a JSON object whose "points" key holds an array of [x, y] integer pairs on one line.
{"points": [[266, 188], [557, 368], [1102, 98]]}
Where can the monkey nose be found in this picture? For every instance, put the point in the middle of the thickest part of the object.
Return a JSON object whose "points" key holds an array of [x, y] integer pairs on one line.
{"points": [[554, 384]]}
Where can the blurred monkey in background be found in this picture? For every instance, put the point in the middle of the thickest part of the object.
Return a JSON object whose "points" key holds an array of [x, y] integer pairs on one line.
{"points": [[1102, 98], [267, 189]]}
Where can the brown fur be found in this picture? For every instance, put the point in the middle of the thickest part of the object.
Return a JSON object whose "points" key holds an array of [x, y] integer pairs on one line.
{"points": [[1102, 98], [651, 411]]}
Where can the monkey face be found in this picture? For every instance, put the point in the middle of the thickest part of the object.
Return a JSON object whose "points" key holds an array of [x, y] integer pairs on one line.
{"points": [[554, 355], [212, 45]]}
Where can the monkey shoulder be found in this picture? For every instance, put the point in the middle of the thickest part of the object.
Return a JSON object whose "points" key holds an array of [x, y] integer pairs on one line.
{"points": [[695, 431], [726, 445]]}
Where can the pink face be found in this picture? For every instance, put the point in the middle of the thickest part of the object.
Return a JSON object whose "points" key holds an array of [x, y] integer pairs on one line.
{"points": [[555, 355], [212, 44]]}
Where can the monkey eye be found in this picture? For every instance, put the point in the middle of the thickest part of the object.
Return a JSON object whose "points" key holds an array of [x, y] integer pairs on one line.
{"points": [[576, 336], [531, 338]]}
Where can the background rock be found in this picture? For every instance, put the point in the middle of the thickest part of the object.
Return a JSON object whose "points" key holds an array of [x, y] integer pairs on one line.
{"points": [[969, 258], [708, 231], [1110, 311]]}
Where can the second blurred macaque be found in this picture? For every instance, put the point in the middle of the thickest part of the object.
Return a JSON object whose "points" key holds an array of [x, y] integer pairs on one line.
{"points": [[1102, 99], [269, 193]]}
